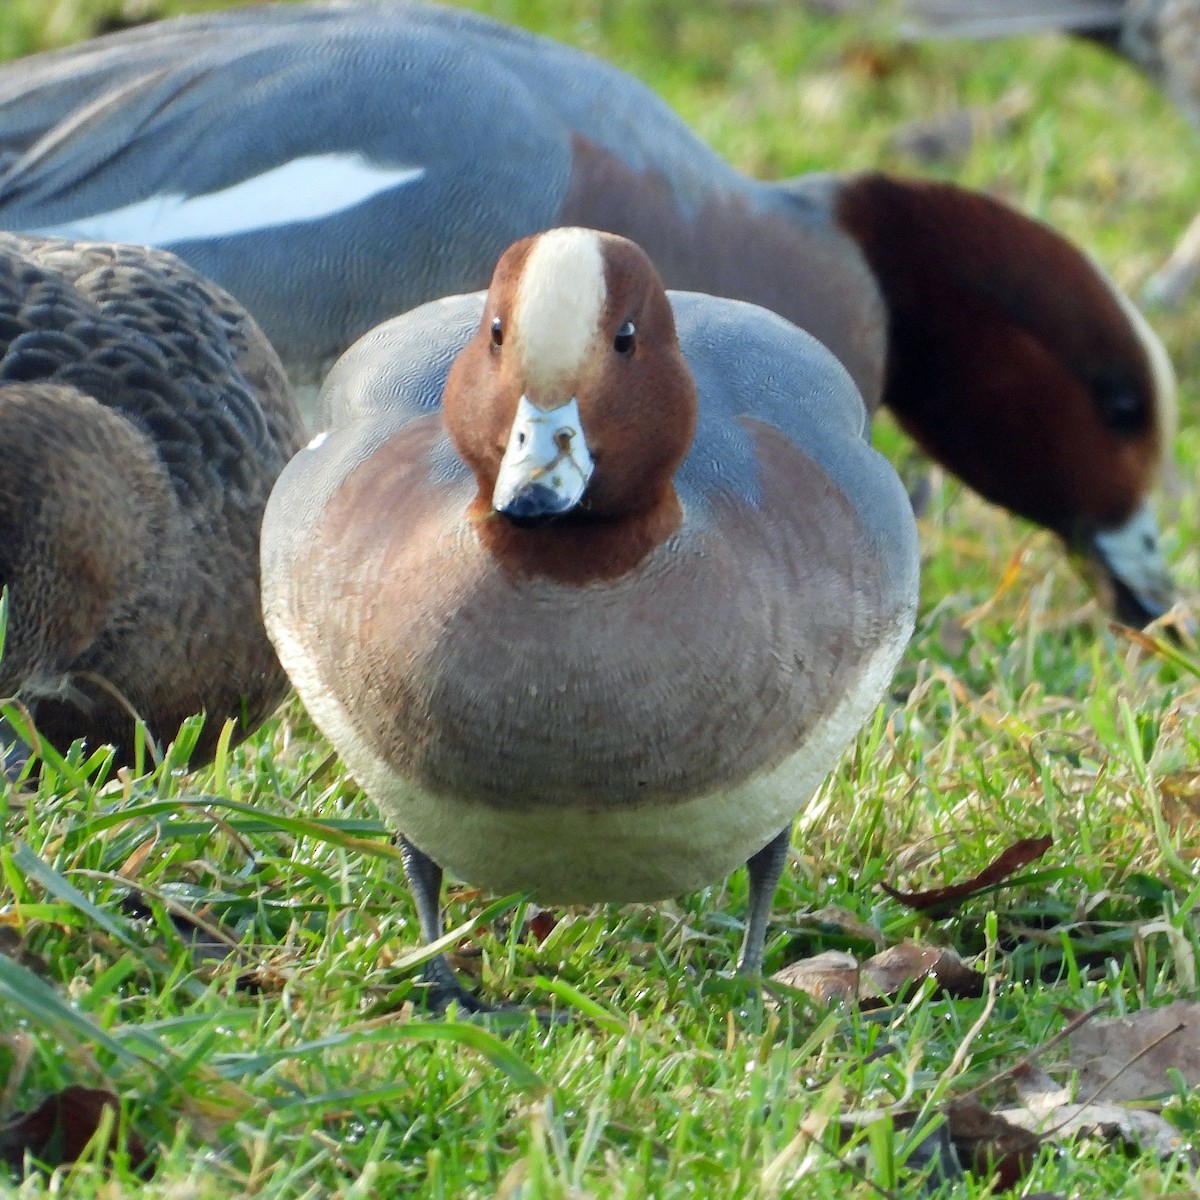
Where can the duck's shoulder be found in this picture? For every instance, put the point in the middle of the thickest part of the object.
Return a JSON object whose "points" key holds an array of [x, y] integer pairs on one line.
{"points": [[162, 79], [389, 381], [99, 124], [782, 424]]}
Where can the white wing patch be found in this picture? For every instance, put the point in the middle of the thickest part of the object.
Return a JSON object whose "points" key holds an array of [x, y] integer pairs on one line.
{"points": [[305, 189]]}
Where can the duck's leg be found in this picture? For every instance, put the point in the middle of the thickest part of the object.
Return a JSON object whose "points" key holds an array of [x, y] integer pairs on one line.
{"points": [[764, 869], [425, 882]]}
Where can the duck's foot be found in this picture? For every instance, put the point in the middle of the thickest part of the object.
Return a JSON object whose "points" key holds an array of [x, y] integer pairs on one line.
{"points": [[444, 989], [441, 990]]}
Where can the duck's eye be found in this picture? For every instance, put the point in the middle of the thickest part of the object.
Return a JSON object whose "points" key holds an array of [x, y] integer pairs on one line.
{"points": [[1122, 409], [497, 332], [625, 340]]}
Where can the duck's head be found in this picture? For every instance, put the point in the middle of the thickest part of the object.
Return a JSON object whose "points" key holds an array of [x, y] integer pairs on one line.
{"points": [[572, 404], [1015, 361]]}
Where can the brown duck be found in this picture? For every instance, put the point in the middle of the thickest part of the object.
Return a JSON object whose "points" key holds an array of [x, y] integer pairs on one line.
{"points": [[144, 419]]}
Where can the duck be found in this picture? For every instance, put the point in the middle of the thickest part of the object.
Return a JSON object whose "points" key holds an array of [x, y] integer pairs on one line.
{"points": [[1161, 38], [334, 165], [589, 583], [144, 418]]}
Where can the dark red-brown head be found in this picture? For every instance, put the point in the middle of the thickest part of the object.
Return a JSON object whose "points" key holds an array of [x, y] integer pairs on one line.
{"points": [[1013, 360], [573, 406]]}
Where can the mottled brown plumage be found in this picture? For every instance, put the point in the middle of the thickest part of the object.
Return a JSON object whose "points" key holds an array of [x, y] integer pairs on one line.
{"points": [[144, 419]]}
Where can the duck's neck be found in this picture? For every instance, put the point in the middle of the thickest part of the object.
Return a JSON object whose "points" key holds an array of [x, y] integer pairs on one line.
{"points": [[577, 549]]}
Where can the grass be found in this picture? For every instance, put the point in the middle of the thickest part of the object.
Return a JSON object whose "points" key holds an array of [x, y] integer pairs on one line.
{"points": [[293, 1066]]}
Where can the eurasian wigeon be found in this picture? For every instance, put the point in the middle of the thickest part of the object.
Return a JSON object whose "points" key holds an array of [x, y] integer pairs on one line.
{"points": [[589, 584], [1159, 37], [335, 165], [144, 418]]}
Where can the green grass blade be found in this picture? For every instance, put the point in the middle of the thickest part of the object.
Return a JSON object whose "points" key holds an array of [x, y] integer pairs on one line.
{"points": [[473, 1037], [45, 1009]]}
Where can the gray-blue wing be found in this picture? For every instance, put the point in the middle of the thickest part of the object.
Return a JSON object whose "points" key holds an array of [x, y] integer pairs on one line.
{"points": [[324, 164]]}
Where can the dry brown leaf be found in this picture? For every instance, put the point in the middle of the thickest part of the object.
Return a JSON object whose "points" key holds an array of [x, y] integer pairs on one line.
{"points": [[13, 945], [988, 1144], [875, 60], [890, 972], [540, 924], [1049, 1111], [836, 975], [1111, 1122], [983, 1142], [831, 975], [943, 901], [58, 1131], [1128, 1058]]}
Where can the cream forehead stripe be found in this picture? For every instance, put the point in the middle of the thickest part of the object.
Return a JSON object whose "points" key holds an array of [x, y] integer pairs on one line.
{"points": [[560, 298]]}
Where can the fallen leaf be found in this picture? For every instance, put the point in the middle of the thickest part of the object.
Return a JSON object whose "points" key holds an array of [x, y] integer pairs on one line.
{"points": [[13, 945], [1143, 641], [1049, 1111], [837, 975], [58, 1131], [875, 60], [541, 924], [890, 971], [830, 975], [1134, 1057], [943, 901], [971, 1137], [989, 1144]]}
